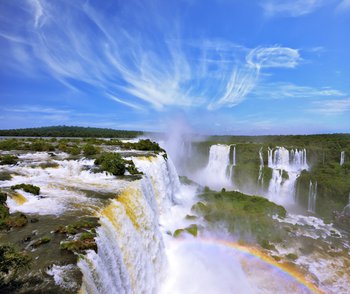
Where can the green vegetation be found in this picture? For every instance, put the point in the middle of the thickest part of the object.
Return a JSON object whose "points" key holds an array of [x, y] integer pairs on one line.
{"points": [[14, 220], [84, 232], [192, 229], [5, 176], [90, 150], [7, 220], [143, 145], [242, 214], [285, 175], [10, 144], [41, 241], [3, 198], [113, 163], [79, 226], [266, 244], [79, 245], [11, 261], [292, 256], [27, 188], [49, 164], [8, 159], [70, 131], [40, 145], [323, 156]]}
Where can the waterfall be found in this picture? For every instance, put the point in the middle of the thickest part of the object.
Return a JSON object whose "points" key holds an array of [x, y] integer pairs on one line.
{"points": [[217, 173], [233, 164], [163, 174], [311, 207], [287, 166], [342, 157], [234, 155], [130, 254], [261, 169]]}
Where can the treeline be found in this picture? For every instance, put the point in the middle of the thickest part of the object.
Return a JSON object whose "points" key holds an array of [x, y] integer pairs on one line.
{"points": [[70, 131], [321, 140]]}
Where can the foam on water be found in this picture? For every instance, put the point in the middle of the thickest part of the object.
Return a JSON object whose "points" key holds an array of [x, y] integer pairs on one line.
{"points": [[62, 275], [284, 163]]}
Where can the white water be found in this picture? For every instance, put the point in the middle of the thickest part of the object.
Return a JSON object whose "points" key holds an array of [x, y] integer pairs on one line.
{"points": [[233, 164], [216, 175], [261, 171], [342, 157], [130, 247], [289, 162], [61, 189], [311, 207], [130, 256], [62, 275]]}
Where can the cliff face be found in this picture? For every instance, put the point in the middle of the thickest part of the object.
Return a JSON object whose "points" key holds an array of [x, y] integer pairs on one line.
{"points": [[281, 173]]}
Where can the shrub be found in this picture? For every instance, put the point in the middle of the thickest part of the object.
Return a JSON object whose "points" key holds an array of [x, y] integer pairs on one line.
{"points": [[11, 260], [3, 197], [41, 241], [5, 176], [90, 150], [10, 144], [27, 188], [74, 150], [112, 163], [8, 159]]}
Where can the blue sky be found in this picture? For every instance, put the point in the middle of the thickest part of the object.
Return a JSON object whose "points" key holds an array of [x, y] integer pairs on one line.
{"points": [[220, 66]]}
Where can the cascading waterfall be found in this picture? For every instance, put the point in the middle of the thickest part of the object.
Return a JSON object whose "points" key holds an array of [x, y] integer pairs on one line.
{"points": [[342, 157], [311, 207], [261, 170], [130, 251], [286, 166], [216, 174], [233, 164]]}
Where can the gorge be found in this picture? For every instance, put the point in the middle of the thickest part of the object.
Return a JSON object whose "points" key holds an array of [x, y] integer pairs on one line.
{"points": [[153, 231]]}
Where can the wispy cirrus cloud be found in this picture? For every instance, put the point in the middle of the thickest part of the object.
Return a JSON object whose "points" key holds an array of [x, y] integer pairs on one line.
{"points": [[291, 8], [331, 106], [277, 91], [37, 109], [131, 68], [344, 5], [276, 56]]}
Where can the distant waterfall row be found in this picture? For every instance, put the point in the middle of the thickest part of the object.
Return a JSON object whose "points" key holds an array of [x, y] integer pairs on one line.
{"points": [[130, 256], [219, 170], [288, 160], [286, 167], [342, 157], [311, 207]]}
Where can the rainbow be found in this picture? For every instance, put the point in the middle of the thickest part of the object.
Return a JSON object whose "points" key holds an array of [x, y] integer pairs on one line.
{"points": [[285, 268]]}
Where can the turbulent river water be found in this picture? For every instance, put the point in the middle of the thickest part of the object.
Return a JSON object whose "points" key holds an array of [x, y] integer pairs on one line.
{"points": [[136, 252]]}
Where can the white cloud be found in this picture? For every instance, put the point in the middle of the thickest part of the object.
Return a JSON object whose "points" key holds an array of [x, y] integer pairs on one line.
{"points": [[332, 107], [239, 86], [38, 109], [124, 102], [291, 8], [119, 62], [270, 57], [344, 5], [38, 11], [289, 90]]}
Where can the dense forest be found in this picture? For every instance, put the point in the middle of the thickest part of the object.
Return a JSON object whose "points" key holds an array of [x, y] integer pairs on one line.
{"points": [[70, 131]]}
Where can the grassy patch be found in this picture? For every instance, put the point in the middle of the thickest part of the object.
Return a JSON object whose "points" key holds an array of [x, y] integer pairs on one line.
{"points": [[8, 159], [247, 216], [27, 188]]}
